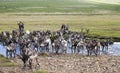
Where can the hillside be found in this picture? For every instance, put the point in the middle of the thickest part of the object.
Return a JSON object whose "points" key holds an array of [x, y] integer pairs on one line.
{"points": [[79, 6]]}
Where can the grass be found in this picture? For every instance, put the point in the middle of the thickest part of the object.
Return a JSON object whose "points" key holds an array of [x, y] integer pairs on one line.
{"points": [[4, 62], [102, 19], [103, 25], [56, 6]]}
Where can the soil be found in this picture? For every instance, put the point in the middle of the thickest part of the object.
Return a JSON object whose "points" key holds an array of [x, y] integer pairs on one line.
{"points": [[70, 63]]}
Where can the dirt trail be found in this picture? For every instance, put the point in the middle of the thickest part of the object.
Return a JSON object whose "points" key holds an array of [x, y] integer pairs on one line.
{"points": [[72, 64]]}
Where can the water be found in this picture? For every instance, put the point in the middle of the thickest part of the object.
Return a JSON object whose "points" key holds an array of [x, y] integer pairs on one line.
{"points": [[113, 49], [3, 50]]}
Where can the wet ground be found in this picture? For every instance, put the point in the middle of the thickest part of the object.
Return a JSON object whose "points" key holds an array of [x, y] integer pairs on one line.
{"points": [[71, 63]]}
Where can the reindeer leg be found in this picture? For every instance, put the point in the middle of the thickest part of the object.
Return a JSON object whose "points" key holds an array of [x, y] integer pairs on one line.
{"points": [[71, 49], [7, 53], [30, 63], [24, 62], [10, 54], [37, 63], [47, 49], [95, 51], [88, 51], [82, 49], [107, 48], [66, 50], [56, 50], [74, 50], [24, 65], [77, 50], [14, 53], [102, 48]]}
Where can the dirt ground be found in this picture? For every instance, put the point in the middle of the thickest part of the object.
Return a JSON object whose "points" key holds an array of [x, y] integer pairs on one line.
{"points": [[71, 63]]}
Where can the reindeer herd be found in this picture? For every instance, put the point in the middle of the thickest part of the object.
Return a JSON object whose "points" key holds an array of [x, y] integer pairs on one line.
{"points": [[32, 43]]}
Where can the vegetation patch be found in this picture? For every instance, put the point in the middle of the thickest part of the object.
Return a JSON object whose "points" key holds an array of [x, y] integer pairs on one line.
{"points": [[43, 54], [102, 19], [85, 6], [4, 62]]}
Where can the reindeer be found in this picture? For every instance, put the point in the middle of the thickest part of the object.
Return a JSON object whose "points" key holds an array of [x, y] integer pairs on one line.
{"points": [[92, 47], [104, 45], [80, 46], [28, 56], [64, 45], [11, 50], [56, 45]]}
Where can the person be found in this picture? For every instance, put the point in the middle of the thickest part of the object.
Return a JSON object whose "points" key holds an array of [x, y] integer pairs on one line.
{"points": [[21, 26]]}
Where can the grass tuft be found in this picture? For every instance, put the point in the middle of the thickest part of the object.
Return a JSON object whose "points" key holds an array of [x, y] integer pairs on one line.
{"points": [[4, 62]]}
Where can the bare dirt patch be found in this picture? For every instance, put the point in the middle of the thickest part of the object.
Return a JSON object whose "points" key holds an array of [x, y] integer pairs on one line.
{"points": [[72, 63]]}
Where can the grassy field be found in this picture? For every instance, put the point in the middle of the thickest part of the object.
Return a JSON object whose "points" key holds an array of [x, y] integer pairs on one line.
{"points": [[102, 19], [104, 25], [85, 6]]}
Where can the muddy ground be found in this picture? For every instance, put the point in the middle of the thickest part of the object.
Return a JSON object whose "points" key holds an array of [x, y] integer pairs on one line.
{"points": [[70, 63]]}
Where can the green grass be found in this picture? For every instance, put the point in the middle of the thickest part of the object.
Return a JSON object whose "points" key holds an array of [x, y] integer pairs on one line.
{"points": [[56, 6], [103, 25], [4, 62], [102, 19]]}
